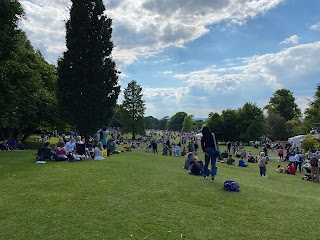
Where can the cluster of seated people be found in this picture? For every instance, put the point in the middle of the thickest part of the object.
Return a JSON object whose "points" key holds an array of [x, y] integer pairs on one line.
{"points": [[195, 166], [72, 150], [11, 145]]}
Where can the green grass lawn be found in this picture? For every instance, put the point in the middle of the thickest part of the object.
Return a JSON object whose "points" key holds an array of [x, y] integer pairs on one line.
{"points": [[138, 196]]}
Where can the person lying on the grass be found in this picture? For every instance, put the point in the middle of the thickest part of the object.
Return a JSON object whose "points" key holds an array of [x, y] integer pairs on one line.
{"points": [[280, 169], [241, 162]]}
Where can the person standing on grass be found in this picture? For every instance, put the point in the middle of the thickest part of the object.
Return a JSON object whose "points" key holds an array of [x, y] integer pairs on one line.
{"points": [[314, 168], [210, 150], [262, 161]]}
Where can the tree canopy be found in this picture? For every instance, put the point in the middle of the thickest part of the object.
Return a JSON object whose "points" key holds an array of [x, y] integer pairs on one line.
{"points": [[88, 79], [133, 107], [176, 121], [27, 81], [283, 103]]}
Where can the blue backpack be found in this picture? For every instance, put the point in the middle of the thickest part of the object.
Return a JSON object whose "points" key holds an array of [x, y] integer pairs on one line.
{"points": [[230, 185]]}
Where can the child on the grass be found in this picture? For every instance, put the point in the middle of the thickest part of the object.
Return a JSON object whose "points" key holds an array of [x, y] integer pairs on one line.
{"points": [[262, 161]]}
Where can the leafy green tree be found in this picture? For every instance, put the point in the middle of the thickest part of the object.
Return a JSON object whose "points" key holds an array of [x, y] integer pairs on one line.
{"points": [[176, 121], [197, 125], [27, 91], [250, 122], [133, 107], [283, 103], [116, 119], [294, 127], [215, 124], [187, 124], [10, 13], [229, 120], [151, 122], [276, 127], [312, 113], [88, 79], [163, 123]]}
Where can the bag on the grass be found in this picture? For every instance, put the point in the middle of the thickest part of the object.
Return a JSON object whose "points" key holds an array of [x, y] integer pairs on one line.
{"points": [[232, 186]]}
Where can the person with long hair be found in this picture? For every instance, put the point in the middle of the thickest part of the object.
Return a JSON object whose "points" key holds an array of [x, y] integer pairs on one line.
{"points": [[210, 150]]}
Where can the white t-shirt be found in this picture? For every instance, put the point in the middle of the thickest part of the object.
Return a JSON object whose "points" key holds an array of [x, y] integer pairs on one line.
{"points": [[98, 154]]}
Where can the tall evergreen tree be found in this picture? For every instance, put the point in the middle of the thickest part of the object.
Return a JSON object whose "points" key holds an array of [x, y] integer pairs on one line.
{"points": [[133, 107], [88, 79], [10, 13]]}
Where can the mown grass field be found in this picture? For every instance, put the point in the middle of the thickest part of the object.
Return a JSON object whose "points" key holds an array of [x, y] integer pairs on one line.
{"points": [[135, 195]]}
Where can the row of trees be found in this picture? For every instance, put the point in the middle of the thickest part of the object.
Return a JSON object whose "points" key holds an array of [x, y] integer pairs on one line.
{"points": [[278, 120]]}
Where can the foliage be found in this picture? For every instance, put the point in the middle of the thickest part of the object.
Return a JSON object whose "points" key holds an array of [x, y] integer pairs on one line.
{"points": [[10, 13], [230, 120], [197, 125], [88, 79], [308, 143], [312, 113], [27, 89], [187, 124], [251, 122], [214, 122], [176, 121], [163, 123], [276, 127], [283, 103], [91, 200], [133, 107], [294, 127], [116, 119], [151, 122]]}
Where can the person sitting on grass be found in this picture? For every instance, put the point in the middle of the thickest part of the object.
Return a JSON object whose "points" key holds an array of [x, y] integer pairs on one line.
{"points": [[98, 152], [194, 168], [184, 152], [61, 151], [230, 160], [188, 160], [291, 169], [241, 162], [177, 151], [127, 146]]}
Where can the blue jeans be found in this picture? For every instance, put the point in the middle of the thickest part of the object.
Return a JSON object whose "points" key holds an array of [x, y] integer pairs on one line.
{"points": [[210, 155]]}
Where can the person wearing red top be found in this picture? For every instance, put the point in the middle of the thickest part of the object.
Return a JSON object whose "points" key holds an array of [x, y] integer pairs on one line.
{"points": [[291, 169], [280, 154]]}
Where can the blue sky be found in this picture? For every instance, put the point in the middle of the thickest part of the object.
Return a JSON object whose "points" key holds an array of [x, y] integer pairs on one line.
{"points": [[200, 56]]}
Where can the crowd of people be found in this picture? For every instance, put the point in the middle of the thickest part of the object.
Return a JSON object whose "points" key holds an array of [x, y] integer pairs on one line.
{"points": [[75, 148]]}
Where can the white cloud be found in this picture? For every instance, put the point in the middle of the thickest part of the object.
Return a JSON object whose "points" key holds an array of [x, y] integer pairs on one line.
{"points": [[315, 27], [291, 40], [141, 27], [254, 80]]}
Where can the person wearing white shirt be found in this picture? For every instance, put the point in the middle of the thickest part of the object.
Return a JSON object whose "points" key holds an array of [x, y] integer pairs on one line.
{"points": [[71, 145], [298, 159]]}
